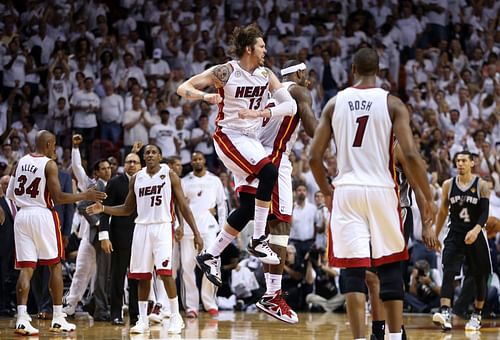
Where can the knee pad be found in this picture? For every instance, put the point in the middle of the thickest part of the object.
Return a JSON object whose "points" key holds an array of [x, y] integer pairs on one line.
{"points": [[391, 282], [267, 178], [354, 280], [240, 217]]}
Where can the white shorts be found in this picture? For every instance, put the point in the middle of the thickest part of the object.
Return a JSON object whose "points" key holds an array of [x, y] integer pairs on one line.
{"points": [[151, 249], [282, 199], [37, 237], [366, 227], [243, 155]]}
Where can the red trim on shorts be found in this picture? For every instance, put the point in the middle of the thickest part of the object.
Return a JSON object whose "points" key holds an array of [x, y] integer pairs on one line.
{"points": [[164, 272], [285, 132], [246, 189], [263, 162], [140, 276], [401, 256], [25, 264], [350, 262], [59, 239], [228, 148], [49, 262]]}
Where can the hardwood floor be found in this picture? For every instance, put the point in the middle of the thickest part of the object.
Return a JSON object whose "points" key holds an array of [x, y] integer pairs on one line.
{"points": [[247, 325]]}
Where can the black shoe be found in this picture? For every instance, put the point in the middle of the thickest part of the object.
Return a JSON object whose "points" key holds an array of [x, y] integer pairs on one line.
{"points": [[117, 322], [102, 318], [210, 266]]}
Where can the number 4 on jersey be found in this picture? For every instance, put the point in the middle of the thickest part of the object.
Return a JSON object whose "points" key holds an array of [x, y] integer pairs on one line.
{"points": [[464, 215], [360, 131]]}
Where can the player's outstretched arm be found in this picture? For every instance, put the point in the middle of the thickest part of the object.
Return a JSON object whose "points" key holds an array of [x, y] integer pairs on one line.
{"points": [[125, 209], [319, 144], [443, 210], [60, 197], [304, 108], [215, 76], [180, 200]]}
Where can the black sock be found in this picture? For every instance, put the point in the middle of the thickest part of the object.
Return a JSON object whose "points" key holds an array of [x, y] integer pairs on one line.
{"points": [[378, 329], [444, 308], [403, 332], [478, 311]]}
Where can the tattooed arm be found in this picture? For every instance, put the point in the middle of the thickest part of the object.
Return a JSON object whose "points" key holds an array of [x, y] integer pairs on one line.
{"points": [[215, 76]]}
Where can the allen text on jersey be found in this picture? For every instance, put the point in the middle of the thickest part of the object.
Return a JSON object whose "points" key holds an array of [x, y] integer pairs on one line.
{"points": [[29, 168]]}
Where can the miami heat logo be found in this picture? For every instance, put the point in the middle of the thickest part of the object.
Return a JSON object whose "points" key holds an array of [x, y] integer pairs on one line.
{"points": [[162, 176], [199, 193], [165, 263]]}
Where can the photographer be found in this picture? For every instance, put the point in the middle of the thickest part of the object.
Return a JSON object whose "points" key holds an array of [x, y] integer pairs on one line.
{"points": [[326, 295], [425, 287], [297, 279]]}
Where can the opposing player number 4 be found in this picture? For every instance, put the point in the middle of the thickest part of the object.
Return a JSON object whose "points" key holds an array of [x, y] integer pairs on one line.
{"points": [[464, 215], [360, 131]]}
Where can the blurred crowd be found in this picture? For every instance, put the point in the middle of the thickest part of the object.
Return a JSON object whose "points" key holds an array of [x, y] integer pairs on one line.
{"points": [[109, 70]]}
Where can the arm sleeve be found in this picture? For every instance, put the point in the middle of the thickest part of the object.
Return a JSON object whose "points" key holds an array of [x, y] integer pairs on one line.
{"points": [[83, 181], [286, 105], [221, 205], [484, 204]]}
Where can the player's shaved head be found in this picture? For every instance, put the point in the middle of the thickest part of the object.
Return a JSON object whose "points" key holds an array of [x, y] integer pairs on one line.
{"points": [[42, 138], [366, 61]]}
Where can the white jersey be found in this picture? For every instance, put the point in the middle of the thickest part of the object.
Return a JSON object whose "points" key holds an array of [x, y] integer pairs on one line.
{"points": [[203, 193], [30, 183], [243, 91], [280, 133], [153, 195], [362, 130]]}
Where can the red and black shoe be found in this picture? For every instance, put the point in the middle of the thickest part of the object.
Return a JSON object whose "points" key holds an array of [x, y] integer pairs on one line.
{"points": [[276, 306]]}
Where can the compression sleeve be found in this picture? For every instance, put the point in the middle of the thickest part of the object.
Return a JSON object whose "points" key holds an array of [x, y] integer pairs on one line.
{"points": [[286, 105], [484, 204]]}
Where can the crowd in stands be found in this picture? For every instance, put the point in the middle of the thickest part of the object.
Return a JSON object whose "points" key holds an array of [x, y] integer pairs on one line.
{"points": [[109, 70]]}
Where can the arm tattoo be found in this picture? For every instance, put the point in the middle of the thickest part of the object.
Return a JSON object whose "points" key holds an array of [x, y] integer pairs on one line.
{"points": [[222, 73]]}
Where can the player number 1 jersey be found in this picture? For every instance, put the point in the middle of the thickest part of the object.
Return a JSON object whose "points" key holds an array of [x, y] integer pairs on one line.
{"points": [[362, 130]]}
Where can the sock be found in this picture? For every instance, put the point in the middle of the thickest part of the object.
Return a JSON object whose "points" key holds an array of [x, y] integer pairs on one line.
{"points": [[478, 311], [221, 242], [22, 310], [444, 308], [395, 336], [259, 221], [143, 310], [57, 310], [378, 329], [174, 305], [403, 333], [273, 283]]}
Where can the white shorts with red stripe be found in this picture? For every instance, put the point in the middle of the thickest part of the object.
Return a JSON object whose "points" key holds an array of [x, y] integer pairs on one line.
{"points": [[282, 199], [243, 155], [366, 227], [152, 246], [37, 237]]}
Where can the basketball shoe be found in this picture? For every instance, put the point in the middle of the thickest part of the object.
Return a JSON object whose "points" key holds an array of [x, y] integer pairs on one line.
{"points": [[24, 327], [59, 324], [158, 314], [260, 249], [210, 266], [443, 318], [141, 326], [276, 306], [474, 324], [176, 324]]}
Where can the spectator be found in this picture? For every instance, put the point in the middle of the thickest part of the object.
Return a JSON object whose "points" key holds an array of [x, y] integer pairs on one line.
{"points": [[112, 113], [425, 288], [136, 123], [164, 137], [302, 231]]}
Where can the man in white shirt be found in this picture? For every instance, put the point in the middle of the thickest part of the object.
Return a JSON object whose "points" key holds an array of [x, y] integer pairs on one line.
{"points": [[130, 71], [205, 194], [112, 111], [157, 69], [302, 231], [85, 104], [163, 136], [136, 124], [183, 137], [14, 63], [45, 42], [202, 141]]}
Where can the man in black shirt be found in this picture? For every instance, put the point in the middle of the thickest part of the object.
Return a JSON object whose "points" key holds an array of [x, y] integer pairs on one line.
{"points": [[466, 197]]}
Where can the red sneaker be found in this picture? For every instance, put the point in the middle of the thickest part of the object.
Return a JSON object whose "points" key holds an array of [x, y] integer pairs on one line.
{"points": [[213, 312], [276, 306]]}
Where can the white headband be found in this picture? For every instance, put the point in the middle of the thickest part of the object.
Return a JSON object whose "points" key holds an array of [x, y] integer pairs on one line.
{"points": [[293, 69]]}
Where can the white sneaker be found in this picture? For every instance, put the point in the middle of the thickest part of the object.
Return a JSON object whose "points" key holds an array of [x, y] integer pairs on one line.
{"points": [[141, 327], [176, 324], [59, 324], [474, 324], [260, 249], [23, 326], [158, 314], [443, 319]]}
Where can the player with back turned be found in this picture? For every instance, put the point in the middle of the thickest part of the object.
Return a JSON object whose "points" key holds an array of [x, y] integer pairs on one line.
{"points": [[365, 222], [466, 203]]}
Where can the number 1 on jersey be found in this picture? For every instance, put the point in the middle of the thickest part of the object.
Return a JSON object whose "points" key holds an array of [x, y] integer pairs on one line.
{"points": [[360, 131]]}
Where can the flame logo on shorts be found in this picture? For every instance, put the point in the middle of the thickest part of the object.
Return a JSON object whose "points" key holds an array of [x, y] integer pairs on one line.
{"points": [[164, 263]]}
